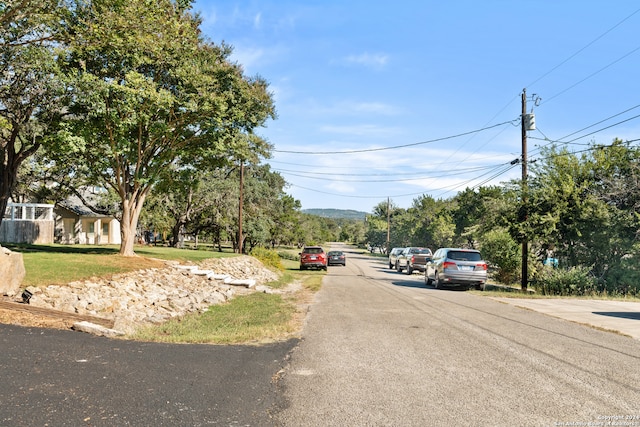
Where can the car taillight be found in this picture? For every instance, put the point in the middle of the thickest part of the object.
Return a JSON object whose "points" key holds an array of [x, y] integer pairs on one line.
{"points": [[449, 264], [482, 266], [413, 258]]}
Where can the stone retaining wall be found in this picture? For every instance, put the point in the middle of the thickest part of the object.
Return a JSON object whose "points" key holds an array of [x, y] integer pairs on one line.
{"points": [[156, 295]]}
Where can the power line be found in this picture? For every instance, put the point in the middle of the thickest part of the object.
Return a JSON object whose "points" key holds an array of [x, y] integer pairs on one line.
{"points": [[368, 150], [572, 141], [601, 121], [593, 74], [582, 49], [325, 175], [503, 169], [567, 60]]}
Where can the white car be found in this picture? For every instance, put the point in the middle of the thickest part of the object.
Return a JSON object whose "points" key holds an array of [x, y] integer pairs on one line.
{"points": [[393, 256]]}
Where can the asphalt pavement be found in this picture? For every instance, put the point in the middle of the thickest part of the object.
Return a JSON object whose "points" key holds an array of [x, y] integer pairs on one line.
{"points": [[622, 317], [52, 377], [380, 348]]}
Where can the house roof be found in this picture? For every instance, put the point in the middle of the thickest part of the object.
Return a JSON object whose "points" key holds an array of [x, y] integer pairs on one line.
{"points": [[74, 204]]}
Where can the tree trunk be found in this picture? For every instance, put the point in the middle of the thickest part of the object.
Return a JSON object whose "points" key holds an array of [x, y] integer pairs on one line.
{"points": [[175, 232], [12, 158], [130, 213]]}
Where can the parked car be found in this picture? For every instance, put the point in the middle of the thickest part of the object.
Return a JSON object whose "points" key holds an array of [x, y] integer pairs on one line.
{"points": [[313, 257], [336, 258], [393, 256], [456, 267], [413, 258]]}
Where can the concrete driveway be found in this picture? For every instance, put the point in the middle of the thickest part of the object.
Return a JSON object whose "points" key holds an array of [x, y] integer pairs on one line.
{"points": [[619, 316]]}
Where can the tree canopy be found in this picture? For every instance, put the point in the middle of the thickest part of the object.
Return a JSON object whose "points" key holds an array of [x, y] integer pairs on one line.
{"points": [[149, 93]]}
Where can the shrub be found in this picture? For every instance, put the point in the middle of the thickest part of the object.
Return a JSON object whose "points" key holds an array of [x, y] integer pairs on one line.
{"points": [[501, 251], [289, 255], [576, 281], [268, 257], [623, 279]]}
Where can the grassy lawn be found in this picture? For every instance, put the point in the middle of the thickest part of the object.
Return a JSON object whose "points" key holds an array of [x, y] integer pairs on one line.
{"points": [[61, 264]]}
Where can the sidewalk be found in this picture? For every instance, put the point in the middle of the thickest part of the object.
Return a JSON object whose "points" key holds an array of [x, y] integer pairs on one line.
{"points": [[619, 316]]}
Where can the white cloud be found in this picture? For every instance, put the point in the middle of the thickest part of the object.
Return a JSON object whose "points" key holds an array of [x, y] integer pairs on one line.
{"points": [[376, 60], [257, 21], [341, 187]]}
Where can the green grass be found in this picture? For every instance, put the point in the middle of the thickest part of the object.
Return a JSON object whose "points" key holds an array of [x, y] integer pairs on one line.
{"points": [[252, 318], [61, 264]]}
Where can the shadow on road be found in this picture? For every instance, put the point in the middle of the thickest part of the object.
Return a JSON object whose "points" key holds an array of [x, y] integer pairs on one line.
{"points": [[622, 314], [408, 284]]}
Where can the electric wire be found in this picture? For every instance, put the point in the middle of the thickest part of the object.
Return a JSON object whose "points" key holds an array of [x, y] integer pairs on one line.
{"points": [[369, 150], [505, 168], [582, 49], [499, 170], [420, 175], [558, 66], [592, 74]]}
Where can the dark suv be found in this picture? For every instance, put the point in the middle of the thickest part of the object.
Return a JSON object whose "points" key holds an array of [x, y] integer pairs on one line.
{"points": [[313, 257]]}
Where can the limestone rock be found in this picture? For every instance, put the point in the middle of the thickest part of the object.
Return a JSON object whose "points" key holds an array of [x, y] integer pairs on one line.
{"points": [[94, 329], [12, 271], [154, 296]]}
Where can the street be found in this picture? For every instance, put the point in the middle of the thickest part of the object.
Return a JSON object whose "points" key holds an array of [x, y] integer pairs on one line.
{"points": [[382, 349], [379, 348]]}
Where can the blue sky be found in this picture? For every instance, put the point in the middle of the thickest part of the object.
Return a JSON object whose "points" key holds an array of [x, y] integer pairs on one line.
{"points": [[404, 98]]}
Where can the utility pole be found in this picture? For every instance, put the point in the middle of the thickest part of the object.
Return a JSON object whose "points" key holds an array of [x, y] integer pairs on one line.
{"points": [[240, 207], [388, 226], [525, 242]]}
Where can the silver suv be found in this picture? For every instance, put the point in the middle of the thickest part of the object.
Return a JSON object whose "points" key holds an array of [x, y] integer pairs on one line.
{"points": [[456, 267]]}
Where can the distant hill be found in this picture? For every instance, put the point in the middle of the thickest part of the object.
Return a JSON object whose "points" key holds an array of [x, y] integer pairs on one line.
{"points": [[336, 213]]}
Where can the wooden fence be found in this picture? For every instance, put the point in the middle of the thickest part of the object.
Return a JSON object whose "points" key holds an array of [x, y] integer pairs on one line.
{"points": [[28, 223]]}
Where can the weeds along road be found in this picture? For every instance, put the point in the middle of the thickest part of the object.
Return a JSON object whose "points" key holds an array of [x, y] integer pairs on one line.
{"points": [[382, 349]]}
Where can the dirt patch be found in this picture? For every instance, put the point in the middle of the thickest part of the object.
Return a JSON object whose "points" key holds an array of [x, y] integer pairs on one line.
{"points": [[13, 317]]}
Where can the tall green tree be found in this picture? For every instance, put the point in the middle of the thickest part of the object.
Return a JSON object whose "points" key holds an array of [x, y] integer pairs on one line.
{"points": [[433, 225], [149, 91], [386, 216], [567, 214], [31, 100]]}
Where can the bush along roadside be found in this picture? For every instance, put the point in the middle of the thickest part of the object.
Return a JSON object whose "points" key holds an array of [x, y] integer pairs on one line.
{"points": [[578, 281]]}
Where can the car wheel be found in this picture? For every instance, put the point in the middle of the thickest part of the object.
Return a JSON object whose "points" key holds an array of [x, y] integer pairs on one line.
{"points": [[302, 267], [436, 281], [481, 287], [390, 265], [409, 269], [427, 281], [398, 268]]}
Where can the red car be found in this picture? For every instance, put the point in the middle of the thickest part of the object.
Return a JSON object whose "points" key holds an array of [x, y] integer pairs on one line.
{"points": [[313, 257]]}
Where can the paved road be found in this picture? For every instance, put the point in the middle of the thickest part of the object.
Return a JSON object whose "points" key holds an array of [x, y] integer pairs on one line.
{"points": [[381, 349], [65, 378]]}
